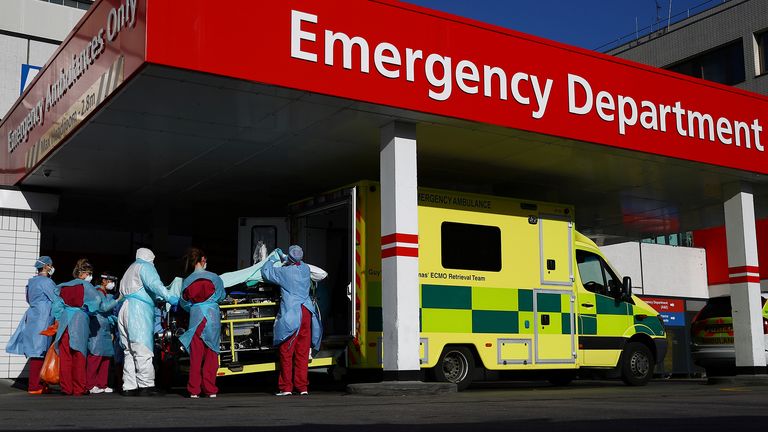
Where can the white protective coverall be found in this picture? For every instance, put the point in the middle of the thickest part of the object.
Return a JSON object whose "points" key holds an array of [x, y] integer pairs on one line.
{"points": [[140, 286]]}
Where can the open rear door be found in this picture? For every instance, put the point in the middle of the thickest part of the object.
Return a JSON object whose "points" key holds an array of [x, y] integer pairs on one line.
{"points": [[325, 227]]}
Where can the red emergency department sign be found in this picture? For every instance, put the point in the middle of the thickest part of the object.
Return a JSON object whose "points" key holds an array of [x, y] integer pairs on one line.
{"points": [[399, 55]]}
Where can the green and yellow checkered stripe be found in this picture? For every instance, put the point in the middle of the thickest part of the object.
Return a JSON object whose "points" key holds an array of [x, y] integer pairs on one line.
{"points": [[614, 318], [467, 309]]}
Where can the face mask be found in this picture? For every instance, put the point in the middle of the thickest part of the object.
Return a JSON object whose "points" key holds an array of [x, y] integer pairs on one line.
{"points": [[50, 272], [205, 265], [88, 278], [111, 286]]}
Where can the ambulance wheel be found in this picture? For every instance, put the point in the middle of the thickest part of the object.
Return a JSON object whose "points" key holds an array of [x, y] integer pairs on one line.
{"points": [[456, 365], [636, 364]]}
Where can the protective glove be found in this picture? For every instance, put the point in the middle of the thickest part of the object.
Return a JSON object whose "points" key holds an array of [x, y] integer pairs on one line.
{"points": [[283, 256], [172, 301]]}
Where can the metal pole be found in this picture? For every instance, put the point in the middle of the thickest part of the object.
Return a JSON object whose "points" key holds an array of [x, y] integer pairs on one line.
{"points": [[669, 15], [637, 31]]}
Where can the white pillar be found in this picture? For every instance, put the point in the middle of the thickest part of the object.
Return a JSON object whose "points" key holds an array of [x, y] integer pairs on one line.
{"points": [[744, 277], [399, 252], [20, 215]]}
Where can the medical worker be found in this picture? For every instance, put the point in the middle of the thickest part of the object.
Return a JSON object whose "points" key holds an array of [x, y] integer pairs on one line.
{"points": [[140, 287], [27, 340], [77, 300], [201, 293], [297, 324], [100, 341]]}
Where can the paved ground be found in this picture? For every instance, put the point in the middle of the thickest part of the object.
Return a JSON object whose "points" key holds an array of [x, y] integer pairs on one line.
{"points": [[583, 406]]}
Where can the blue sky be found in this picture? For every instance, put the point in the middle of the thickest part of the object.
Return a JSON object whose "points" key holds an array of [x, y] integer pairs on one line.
{"points": [[585, 23]]}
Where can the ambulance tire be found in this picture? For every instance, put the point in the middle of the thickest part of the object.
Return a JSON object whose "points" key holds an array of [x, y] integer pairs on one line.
{"points": [[636, 364], [456, 365]]}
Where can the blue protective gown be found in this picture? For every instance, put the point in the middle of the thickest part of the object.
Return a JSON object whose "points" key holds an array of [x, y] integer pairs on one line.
{"points": [[117, 347], [102, 327], [208, 309], [76, 319], [294, 284], [27, 340], [141, 303]]}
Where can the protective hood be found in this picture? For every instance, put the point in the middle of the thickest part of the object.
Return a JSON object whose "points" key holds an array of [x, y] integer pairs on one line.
{"points": [[145, 254]]}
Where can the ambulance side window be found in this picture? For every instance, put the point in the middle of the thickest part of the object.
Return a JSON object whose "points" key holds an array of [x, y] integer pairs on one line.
{"points": [[614, 283], [470, 247], [266, 234], [595, 276]]}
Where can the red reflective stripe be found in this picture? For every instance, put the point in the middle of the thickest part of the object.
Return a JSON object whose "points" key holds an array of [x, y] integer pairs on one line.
{"points": [[744, 269], [399, 238], [740, 279], [399, 251]]}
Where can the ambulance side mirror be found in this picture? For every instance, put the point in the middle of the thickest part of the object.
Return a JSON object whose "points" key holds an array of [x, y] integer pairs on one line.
{"points": [[626, 288]]}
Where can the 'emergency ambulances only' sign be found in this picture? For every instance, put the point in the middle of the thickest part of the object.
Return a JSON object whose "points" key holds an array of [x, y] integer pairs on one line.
{"points": [[105, 47]]}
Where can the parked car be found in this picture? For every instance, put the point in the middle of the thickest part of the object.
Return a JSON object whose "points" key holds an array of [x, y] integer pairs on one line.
{"points": [[712, 336]]}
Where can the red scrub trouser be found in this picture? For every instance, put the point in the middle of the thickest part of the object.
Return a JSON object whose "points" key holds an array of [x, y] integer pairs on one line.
{"points": [[97, 372], [72, 368], [35, 366], [203, 365], [294, 356]]}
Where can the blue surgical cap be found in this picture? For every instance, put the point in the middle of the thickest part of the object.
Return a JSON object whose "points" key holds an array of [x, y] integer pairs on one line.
{"points": [[43, 261], [295, 253]]}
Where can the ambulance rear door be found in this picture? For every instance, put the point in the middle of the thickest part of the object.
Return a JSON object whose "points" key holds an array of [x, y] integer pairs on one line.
{"points": [[325, 227]]}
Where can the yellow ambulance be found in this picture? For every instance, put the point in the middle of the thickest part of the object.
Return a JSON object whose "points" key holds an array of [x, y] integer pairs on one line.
{"points": [[507, 287]]}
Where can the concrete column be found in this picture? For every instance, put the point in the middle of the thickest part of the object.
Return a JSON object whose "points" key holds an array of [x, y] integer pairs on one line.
{"points": [[20, 215], [744, 278], [399, 252]]}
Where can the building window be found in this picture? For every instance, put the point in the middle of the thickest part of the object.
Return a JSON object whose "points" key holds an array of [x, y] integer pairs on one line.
{"points": [[78, 4], [762, 52], [470, 247], [676, 239], [724, 64]]}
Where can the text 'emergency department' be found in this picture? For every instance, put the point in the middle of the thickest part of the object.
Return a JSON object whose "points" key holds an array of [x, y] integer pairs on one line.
{"points": [[444, 74]]}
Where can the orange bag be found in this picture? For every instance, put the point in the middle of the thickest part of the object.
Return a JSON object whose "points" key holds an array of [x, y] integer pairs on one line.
{"points": [[51, 331], [50, 370]]}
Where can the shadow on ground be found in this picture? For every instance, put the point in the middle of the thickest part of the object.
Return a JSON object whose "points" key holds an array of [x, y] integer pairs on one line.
{"points": [[534, 425]]}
